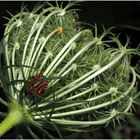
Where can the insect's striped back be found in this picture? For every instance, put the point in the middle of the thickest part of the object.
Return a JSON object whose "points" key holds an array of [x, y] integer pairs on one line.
{"points": [[35, 86]]}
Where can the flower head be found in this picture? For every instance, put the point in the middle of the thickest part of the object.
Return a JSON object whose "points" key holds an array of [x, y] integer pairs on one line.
{"points": [[74, 77]]}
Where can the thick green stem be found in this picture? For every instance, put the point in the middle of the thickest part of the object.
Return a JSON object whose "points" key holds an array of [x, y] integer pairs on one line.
{"points": [[17, 114], [14, 118]]}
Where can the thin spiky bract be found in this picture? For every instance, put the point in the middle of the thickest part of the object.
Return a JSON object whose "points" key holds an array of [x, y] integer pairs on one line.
{"points": [[89, 80]]}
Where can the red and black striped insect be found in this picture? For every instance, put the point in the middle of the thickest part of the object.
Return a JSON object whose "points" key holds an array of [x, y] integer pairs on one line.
{"points": [[37, 84]]}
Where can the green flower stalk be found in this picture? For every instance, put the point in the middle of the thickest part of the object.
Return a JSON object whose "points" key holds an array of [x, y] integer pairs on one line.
{"points": [[89, 81]]}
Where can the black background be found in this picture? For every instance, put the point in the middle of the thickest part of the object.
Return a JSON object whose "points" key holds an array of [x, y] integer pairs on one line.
{"points": [[109, 14]]}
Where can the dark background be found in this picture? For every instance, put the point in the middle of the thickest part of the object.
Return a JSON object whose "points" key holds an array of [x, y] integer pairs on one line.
{"points": [[109, 14]]}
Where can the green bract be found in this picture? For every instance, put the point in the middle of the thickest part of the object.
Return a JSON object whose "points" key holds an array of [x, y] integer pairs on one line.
{"points": [[90, 81]]}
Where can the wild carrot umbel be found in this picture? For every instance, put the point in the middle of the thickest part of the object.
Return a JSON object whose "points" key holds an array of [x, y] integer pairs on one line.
{"points": [[58, 76]]}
